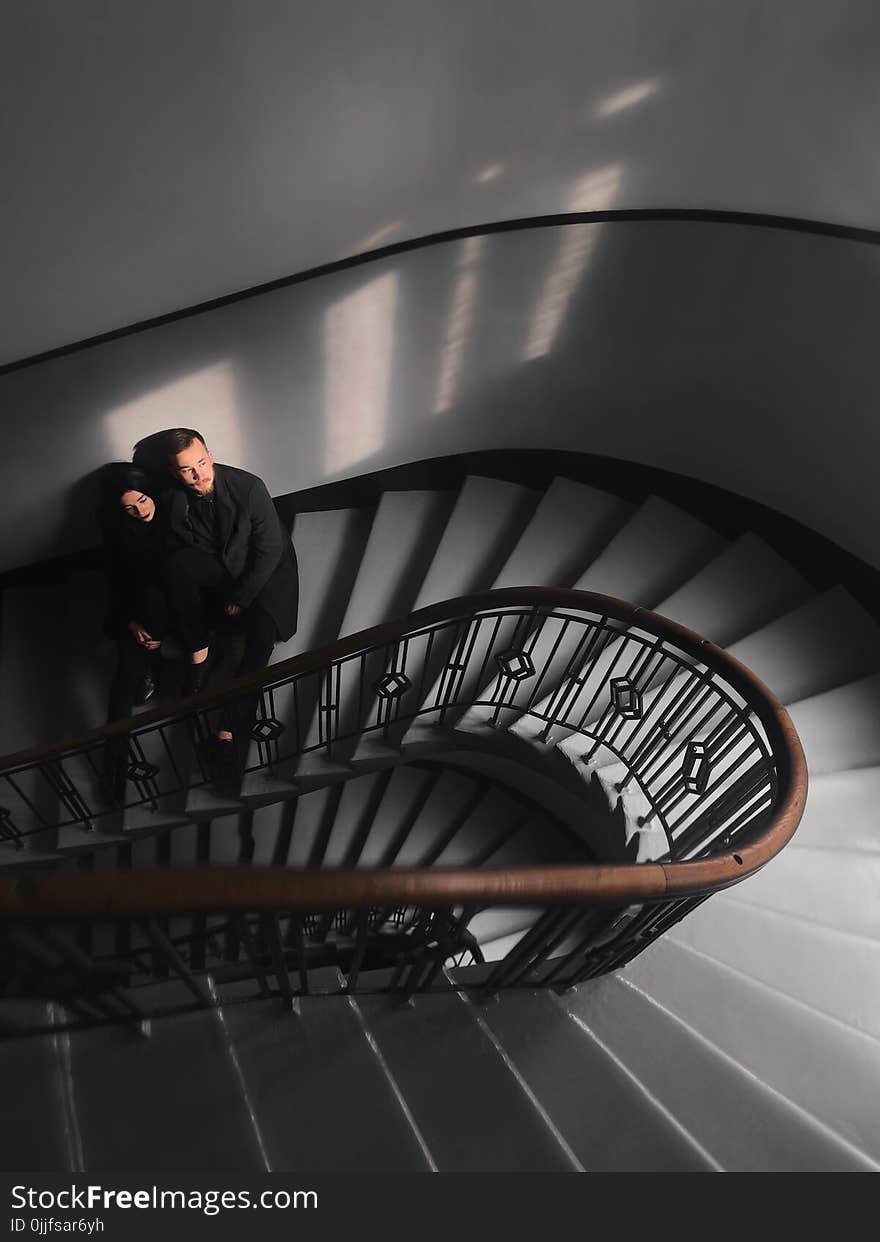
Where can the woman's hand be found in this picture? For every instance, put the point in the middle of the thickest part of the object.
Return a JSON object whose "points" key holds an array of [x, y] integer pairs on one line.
{"points": [[141, 636]]}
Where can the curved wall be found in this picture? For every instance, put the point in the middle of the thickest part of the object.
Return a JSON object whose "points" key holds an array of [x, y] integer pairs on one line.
{"points": [[158, 155], [742, 356]]}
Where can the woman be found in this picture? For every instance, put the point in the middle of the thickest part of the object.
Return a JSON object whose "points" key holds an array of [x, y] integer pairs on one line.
{"points": [[133, 520]]}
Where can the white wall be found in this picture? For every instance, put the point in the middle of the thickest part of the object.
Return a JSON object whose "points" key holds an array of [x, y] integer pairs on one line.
{"points": [[159, 154], [741, 356]]}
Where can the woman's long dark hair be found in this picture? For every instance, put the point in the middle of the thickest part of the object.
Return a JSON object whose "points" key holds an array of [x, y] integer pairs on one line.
{"points": [[120, 477]]}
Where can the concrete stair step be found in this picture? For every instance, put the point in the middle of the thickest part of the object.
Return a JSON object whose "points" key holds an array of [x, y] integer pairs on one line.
{"points": [[832, 971], [816, 1062], [743, 589], [549, 552], [449, 804], [838, 889], [36, 1100], [487, 517], [571, 525], [737, 1121], [226, 840], [184, 1070], [302, 1073], [471, 1111], [486, 521], [27, 856], [267, 826], [826, 642], [654, 553], [311, 816], [403, 801], [790, 652], [493, 821], [536, 841], [609, 1122], [329, 549], [746, 585], [841, 812], [403, 537], [353, 821], [840, 729], [657, 549]]}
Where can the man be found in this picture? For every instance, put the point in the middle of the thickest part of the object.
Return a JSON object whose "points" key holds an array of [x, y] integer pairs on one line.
{"points": [[232, 557]]}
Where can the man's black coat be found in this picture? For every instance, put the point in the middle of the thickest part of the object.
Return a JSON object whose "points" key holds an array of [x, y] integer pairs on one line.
{"points": [[256, 552]]}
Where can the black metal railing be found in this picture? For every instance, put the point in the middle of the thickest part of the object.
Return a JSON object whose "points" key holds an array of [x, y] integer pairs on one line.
{"points": [[712, 756], [689, 738]]}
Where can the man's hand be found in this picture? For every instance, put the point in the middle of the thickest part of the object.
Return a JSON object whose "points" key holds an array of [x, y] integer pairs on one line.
{"points": [[142, 637], [232, 610]]}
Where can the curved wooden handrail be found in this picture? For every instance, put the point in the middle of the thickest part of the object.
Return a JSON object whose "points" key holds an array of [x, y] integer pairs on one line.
{"points": [[32, 895]]}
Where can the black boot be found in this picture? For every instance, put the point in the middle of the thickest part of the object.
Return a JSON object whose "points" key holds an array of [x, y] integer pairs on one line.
{"points": [[197, 675]]}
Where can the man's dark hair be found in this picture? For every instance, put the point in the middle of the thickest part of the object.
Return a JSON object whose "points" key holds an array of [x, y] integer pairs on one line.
{"points": [[175, 440]]}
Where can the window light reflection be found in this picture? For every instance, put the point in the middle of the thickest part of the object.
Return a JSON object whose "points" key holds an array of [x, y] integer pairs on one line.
{"points": [[459, 325], [594, 192], [358, 338]]}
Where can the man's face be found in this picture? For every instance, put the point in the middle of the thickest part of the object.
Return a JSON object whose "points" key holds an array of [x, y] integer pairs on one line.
{"points": [[194, 466]]}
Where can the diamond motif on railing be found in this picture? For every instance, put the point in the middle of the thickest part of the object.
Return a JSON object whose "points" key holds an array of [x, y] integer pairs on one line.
{"points": [[392, 685], [695, 767], [142, 771], [267, 730], [626, 698], [515, 664]]}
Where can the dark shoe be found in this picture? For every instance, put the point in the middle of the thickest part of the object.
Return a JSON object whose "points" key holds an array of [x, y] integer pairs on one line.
{"points": [[198, 675], [145, 689]]}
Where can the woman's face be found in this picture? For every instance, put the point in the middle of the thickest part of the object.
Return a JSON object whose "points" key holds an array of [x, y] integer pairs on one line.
{"points": [[138, 505]]}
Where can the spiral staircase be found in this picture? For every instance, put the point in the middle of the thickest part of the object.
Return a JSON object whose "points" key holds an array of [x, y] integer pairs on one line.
{"points": [[743, 1038]]}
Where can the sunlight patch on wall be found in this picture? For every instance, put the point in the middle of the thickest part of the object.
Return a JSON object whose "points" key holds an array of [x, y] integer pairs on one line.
{"points": [[204, 400], [358, 338], [489, 173], [459, 325], [594, 192], [627, 98], [375, 239]]}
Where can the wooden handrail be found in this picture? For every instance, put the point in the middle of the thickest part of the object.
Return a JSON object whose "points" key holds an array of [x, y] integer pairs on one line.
{"points": [[33, 895]]}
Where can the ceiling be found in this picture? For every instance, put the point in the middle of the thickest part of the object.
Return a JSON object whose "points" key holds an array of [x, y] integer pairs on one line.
{"points": [[159, 155]]}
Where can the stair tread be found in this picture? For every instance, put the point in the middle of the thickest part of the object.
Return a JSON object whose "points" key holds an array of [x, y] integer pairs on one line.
{"points": [[840, 729], [329, 546], [487, 514], [747, 1127], [32, 1135], [390, 575], [744, 588], [658, 549], [813, 1060], [467, 1105], [608, 1121], [303, 1072], [553, 550], [839, 889], [184, 1071], [825, 642], [841, 812], [830, 970]]}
